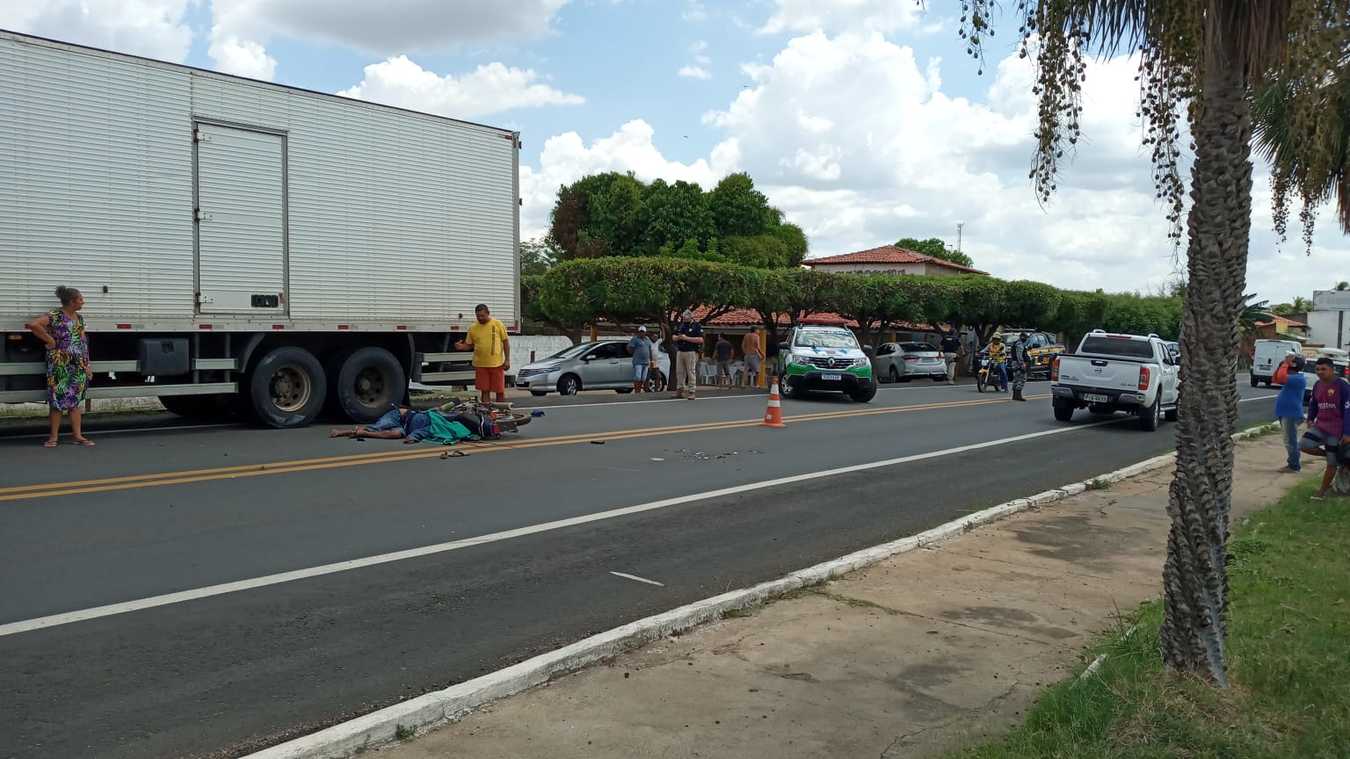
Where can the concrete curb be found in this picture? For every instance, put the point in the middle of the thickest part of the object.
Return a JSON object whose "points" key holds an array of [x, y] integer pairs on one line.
{"points": [[432, 709]]}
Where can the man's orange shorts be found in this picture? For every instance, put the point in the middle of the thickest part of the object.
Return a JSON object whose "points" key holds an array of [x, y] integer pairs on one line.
{"points": [[490, 379]]}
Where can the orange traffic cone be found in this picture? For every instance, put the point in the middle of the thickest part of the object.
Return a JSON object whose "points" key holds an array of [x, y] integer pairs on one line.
{"points": [[773, 415]]}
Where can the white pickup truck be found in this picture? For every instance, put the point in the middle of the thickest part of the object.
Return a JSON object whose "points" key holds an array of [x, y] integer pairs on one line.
{"points": [[1109, 373]]}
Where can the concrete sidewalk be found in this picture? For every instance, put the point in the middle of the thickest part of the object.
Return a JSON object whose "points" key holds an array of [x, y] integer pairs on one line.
{"points": [[920, 653]]}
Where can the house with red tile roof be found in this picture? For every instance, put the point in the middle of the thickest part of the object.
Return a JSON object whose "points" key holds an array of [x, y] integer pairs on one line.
{"points": [[888, 259]]}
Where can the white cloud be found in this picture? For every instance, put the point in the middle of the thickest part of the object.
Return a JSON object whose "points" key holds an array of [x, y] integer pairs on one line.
{"points": [[842, 16], [241, 29], [153, 28], [566, 158], [490, 88], [699, 68], [695, 11], [241, 57], [856, 141]]}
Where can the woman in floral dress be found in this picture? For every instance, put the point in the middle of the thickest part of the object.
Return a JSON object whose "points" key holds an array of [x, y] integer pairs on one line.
{"points": [[62, 331]]}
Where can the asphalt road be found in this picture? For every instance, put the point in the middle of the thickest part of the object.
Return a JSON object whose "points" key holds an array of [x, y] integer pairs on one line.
{"points": [[171, 510]]}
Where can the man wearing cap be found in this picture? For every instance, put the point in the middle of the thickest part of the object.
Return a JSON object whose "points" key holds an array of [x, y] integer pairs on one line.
{"points": [[1289, 407], [644, 358], [688, 340], [1017, 361]]}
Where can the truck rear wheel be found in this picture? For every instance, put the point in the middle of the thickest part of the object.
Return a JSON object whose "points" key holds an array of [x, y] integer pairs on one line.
{"points": [[287, 387], [367, 382], [1063, 411]]}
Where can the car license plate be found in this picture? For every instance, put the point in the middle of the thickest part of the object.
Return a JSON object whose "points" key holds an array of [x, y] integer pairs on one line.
{"points": [[1094, 398], [831, 377]]}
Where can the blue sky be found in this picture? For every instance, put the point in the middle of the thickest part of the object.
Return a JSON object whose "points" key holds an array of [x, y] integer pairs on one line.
{"points": [[864, 120]]}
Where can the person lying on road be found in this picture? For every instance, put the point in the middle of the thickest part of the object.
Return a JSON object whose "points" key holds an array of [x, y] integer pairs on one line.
{"points": [[412, 426]]}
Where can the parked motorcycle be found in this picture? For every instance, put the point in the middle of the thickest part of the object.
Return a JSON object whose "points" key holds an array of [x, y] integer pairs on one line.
{"points": [[987, 376]]}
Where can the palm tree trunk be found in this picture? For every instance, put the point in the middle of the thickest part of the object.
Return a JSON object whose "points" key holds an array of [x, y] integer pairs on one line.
{"points": [[1195, 578]]}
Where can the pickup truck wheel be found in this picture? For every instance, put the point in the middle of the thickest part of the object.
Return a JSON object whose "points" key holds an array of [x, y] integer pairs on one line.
{"points": [[369, 380], [1063, 412], [1151, 418], [287, 387], [1255, 381]]}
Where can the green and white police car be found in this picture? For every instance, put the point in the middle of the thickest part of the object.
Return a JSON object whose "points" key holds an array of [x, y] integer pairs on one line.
{"points": [[826, 359]]}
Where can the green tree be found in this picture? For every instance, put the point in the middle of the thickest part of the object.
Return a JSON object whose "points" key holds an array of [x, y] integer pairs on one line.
{"points": [[877, 302], [1342, 286], [936, 248], [674, 213], [1203, 58], [790, 295], [794, 242], [739, 209], [1315, 175], [598, 215], [1029, 304], [537, 256], [537, 319], [1300, 305], [977, 302], [1252, 313], [614, 214], [642, 289]]}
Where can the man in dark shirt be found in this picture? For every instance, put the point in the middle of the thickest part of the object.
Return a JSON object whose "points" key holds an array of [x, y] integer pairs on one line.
{"points": [[688, 339], [723, 352], [951, 345]]}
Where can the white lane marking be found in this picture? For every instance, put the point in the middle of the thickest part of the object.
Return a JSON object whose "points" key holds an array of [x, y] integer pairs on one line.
{"points": [[193, 594], [627, 576], [4, 437], [182, 596]]}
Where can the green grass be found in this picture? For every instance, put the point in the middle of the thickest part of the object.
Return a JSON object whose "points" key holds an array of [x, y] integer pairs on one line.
{"points": [[1289, 657]]}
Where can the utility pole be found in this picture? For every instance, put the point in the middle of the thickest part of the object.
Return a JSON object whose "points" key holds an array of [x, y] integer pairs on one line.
{"points": [[959, 225]]}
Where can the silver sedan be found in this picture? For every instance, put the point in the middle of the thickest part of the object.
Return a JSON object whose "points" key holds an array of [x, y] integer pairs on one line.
{"points": [[902, 362], [599, 365]]}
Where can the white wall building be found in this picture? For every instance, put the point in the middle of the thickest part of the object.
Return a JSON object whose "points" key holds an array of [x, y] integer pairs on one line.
{"points": [[1329, 321]]}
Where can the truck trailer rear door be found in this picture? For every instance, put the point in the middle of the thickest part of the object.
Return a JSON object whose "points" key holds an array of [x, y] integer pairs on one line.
{"points": [[240, 220]]}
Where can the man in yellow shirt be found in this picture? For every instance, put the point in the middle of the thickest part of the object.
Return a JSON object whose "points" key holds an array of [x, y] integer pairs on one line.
{"points": [[491, 354]]}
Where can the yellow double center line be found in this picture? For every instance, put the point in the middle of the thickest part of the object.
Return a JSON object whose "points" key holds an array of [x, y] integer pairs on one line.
{"points": [[130, 482]]}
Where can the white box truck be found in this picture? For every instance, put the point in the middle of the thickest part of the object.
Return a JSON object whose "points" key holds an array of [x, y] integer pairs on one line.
{"points": [[242, 244]]}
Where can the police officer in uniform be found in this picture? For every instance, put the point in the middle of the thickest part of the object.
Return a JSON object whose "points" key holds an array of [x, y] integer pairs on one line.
{"points": [[1018, 362]]}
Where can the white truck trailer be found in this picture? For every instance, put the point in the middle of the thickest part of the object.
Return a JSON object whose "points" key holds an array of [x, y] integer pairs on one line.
{"points": [[242, 244]]}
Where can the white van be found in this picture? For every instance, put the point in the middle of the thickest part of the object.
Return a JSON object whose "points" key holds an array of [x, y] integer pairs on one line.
{"points": [[1267, 358]]}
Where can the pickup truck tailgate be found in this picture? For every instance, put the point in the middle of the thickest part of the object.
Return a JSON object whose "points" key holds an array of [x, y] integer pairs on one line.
{"points": [[1087, 371]]}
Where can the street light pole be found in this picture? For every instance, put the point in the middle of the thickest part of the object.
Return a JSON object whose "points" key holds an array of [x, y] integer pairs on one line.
{"points": [[959, 225]]}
